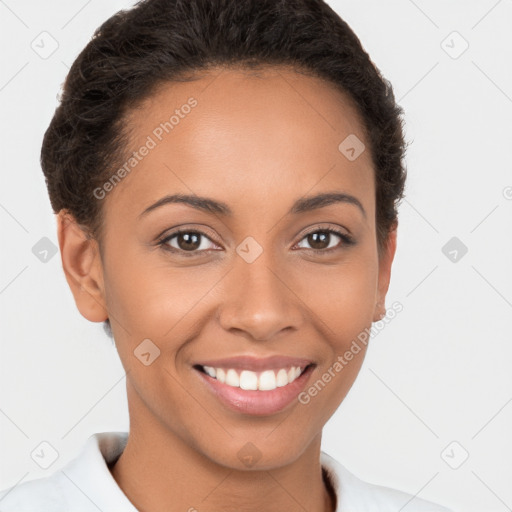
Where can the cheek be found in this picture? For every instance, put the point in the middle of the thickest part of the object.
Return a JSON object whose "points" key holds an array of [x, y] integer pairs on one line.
{"points": [[342, 296], [342, 302], [145, 295]]}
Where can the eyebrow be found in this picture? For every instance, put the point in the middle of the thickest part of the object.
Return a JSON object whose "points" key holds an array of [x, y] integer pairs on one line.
{"points": [[304, 204]]}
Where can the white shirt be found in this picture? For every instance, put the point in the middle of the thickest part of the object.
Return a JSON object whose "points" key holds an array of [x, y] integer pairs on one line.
{"points": [[85, 484]]}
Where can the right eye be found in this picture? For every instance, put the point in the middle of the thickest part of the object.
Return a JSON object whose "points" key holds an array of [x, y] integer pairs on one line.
{"points": [[187, 242]]}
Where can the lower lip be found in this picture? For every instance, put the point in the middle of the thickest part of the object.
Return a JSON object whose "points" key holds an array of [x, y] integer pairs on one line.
{"points": [[254, 401]]}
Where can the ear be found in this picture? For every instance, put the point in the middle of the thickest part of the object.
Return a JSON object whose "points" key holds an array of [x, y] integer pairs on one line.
{"points": [[385, 261], [82, 266]]}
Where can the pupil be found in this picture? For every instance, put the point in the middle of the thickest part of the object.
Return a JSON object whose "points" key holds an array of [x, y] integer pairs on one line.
{"points": [[187, 237], [321, 238]]}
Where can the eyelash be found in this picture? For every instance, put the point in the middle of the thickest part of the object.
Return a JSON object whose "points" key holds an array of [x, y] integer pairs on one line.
{"points": [[347, 240]]}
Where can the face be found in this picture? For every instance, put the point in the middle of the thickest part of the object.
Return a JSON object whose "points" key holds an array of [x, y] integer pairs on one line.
{"points": [[261, 278]]}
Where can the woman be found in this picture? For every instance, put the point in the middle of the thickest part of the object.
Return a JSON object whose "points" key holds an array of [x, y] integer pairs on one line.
{"points": [[225, 175]]}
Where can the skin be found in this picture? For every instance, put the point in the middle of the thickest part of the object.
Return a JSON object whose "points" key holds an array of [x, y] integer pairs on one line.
{"points": [[258, 142]]}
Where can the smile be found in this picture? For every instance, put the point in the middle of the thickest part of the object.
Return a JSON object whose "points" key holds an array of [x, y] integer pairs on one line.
{"points": [[266, 380], [255, 386]]}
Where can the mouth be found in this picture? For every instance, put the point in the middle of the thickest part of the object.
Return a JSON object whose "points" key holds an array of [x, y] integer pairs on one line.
{"points": [[264, 390], [248, 380]]}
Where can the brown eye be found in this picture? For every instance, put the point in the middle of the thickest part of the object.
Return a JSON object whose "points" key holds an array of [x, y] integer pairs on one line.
{"points": [[187, 241], [319, 240], [325, 240]]}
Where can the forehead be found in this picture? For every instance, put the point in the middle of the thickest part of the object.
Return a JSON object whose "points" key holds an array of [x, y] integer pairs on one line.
{"points": [[258, 134]]}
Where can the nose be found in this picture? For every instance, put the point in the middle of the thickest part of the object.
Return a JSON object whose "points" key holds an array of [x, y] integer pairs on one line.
{"points": [[258, 301]]}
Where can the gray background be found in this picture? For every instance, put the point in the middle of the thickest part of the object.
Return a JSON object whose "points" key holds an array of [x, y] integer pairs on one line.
{"points": [[436, 385]]}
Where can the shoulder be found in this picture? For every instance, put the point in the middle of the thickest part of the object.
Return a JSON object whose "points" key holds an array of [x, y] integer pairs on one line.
{"points": [[39, 494], [356, 494], [84, 484]]}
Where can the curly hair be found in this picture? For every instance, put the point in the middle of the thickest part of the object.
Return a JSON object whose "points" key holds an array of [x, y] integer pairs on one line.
{"points": [[158, 41]]}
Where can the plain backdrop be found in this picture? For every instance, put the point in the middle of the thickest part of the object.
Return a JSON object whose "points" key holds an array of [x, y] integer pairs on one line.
{"points": [[431, 411]]}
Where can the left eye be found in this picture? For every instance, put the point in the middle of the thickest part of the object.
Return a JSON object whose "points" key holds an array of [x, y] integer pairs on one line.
{"points": [[318, 239]]}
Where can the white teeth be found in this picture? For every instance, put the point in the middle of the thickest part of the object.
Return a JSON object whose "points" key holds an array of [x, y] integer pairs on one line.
{"points": [[282, 378], [220, 374], [210, 371], [267, 381], [232, 379], [249, 380]]}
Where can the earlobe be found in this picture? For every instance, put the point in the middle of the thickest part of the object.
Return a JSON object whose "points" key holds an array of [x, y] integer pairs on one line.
{"points": [[385, 263], [82, 267]]}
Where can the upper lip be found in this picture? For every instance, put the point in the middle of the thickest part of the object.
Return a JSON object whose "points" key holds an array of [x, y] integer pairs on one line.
{"points": [[256, 363]]}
